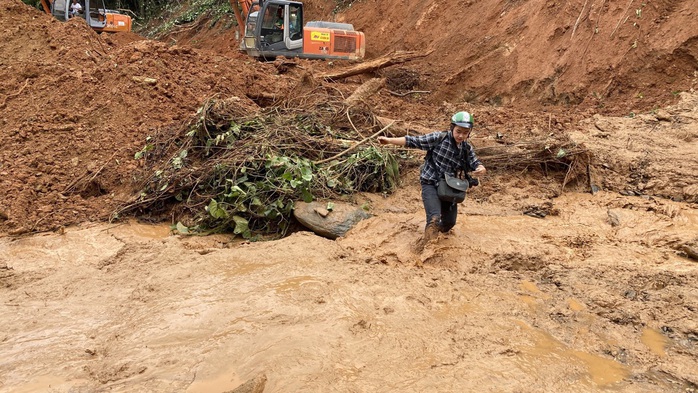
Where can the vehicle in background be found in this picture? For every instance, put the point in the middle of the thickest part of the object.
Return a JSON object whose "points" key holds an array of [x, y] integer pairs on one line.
{"points": [[275, 28], [95, 13]]}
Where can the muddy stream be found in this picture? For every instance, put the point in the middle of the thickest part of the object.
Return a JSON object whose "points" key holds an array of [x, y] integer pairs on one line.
{"points": [[506, 302]]}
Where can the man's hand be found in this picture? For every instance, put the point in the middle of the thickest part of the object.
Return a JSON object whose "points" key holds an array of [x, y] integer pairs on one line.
{"points": [[479, 171]]}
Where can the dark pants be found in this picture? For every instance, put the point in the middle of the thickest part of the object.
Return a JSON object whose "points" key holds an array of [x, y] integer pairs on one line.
{"points": [[443, 214]]}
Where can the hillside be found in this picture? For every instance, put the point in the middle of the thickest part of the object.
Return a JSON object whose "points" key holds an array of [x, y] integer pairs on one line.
{"points": [[614, 56]]}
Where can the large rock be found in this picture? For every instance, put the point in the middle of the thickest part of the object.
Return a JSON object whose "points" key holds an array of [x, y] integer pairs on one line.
{"points": [[331, 223]]}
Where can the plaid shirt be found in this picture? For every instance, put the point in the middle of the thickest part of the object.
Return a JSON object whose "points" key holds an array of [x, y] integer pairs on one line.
{"points": [[446, 156]]}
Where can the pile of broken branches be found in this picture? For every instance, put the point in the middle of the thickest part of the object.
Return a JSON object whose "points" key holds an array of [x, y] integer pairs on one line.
{"points": [[227, 170]]}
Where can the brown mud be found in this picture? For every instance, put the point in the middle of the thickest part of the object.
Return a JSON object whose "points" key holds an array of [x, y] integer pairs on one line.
{"points": [[538, 288]]}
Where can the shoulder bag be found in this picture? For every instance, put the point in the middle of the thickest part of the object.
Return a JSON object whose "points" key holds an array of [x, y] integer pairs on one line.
{"points": [[452, 189]]}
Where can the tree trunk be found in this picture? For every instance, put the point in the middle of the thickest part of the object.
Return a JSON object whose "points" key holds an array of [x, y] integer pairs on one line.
{"points": [[374, 65], [364, 91]]}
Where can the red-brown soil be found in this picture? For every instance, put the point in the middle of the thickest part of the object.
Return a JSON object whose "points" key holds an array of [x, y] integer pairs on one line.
{"points": [[615, 56], [77, 106]]}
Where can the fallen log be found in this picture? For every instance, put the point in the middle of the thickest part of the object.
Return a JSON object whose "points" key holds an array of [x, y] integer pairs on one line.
{"points": [[364, 91], [375, 64]]}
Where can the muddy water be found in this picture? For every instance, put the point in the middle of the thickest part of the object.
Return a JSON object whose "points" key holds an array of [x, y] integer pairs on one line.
{"points": [[593, 370], [537, 305], [655, 341], [226, 380]]}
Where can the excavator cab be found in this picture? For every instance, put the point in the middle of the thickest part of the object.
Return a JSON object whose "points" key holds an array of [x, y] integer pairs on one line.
{"points": [[276, 28]]}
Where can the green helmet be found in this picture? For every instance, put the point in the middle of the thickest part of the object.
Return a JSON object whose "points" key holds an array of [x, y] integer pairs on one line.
{"points": [[462, 119]]}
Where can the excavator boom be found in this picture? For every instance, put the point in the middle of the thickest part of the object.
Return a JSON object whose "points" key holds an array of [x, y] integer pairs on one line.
{"points": [[241, 8], [46, 5]]}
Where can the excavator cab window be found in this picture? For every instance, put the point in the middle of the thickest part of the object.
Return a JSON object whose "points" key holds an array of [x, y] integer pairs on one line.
{"points": [[295, 22], [59, 9], [98, 11], [273, 23]]}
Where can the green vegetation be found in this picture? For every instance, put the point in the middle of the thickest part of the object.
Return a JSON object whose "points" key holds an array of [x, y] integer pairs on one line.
{"points": [[173, 14], [343, 5], [244, 173]]}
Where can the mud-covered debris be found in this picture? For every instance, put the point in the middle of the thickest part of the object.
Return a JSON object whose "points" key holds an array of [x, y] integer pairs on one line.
{"points": [[360, 327], [612, 218], [401, 79], [6, 271], [632, 294], [663, 115], [145, 80], [690, 249], [541, 211], [690, 193], [254, 385], [283, 65], [518, 262]]}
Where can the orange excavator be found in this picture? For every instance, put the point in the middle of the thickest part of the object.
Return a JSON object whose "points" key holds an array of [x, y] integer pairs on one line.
{"points": [[272, 28], [97, 16]]}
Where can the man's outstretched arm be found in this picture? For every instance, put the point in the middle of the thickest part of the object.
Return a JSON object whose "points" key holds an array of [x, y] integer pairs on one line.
{"points": [[400, 141]]}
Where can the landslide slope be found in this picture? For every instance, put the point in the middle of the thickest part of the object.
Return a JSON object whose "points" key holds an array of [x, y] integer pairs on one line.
{"points": [[612, 55], [76, 106]]}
